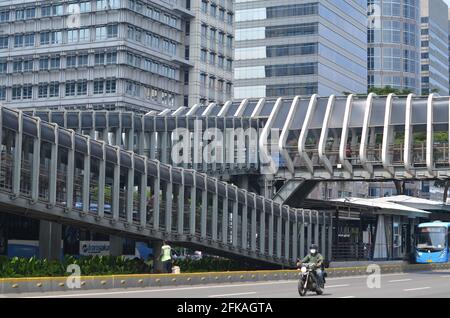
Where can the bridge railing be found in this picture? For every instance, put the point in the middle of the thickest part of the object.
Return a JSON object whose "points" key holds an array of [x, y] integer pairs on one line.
{"points": [[99, 182]]}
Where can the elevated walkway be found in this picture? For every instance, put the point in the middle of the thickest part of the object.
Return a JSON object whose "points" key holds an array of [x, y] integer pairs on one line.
{"points": [[52, 173]]}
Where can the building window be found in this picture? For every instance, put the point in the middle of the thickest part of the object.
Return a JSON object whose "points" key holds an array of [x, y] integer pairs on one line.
{"points": [[53, 10], [2, 92], [83, 60], [4, 16], [213, 10], [99, 86], [70, 88], [16, 92], [71, 61], [108, 4], [4, 42], [28, 65], [27, 92], [43, 64], [99, 59], [203, 55], [110, 86], [43, 90], [85, 7], [204, 6], [55, 63], [203, 79], [54, 37], [54, 89], [17, 66], [30, 13], [82, 87], [106, 32], [111, 58], [3, 67]]}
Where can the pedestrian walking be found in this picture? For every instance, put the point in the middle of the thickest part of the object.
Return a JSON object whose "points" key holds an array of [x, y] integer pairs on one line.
{"points": [[166, 257]]}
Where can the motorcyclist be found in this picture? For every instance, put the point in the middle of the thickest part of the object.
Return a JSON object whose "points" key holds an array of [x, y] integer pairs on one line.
{"points": [[317, 259]]}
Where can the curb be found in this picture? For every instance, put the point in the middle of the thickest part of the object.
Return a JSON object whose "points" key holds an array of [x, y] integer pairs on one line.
{"points": [[54, 284]]}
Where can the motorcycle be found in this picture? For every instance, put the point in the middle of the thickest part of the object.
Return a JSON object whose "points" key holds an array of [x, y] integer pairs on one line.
{"points": [[309, 281]]}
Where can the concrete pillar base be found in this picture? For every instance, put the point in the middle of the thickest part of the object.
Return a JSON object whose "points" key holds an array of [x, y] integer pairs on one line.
{"points": [[157, 264], [115, 245], [50, 245]]}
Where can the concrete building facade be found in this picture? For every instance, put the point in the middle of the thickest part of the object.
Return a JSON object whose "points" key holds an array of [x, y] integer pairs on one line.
{"points": [[100, 54], [393, 56], [300, 47], [211, 46], [434, 43]]}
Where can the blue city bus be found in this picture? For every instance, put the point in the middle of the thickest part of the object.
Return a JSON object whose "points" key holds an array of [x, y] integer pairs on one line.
{"points": [[431, 242]]}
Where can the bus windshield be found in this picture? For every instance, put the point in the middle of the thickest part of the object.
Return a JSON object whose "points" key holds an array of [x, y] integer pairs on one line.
{"points": [[431, 238]]}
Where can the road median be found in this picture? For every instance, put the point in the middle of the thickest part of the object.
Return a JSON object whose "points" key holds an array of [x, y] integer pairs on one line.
{"points": [[58, 284]]}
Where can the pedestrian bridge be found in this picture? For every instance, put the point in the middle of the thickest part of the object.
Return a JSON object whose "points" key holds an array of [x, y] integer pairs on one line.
{"points": [[305, 138], [53, 173], [114, 170]]}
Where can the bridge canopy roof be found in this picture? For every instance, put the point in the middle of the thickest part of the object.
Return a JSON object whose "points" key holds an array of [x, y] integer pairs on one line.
{"points": [[418, 203], [385, 207]]}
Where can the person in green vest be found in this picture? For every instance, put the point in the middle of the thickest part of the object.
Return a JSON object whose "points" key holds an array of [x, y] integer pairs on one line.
{"points": [[166, 257]]}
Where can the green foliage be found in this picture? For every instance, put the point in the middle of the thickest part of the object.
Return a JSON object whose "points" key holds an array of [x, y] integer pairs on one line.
{"points": [[384, 91], [97, 265], [212, 264], [441, 136], [109, 265]]}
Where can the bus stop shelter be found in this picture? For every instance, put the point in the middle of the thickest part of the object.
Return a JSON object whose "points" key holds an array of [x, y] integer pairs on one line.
{"points": [[371, 229]]}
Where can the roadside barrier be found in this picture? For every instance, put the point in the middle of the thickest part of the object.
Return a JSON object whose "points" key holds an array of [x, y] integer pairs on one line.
{"points": [[55, 284]]}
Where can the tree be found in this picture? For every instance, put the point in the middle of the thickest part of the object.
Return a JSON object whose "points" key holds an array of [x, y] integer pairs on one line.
{"points": [[384, 91], [443, 184]]}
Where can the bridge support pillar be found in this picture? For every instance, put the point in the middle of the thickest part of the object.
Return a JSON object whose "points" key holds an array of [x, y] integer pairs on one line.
{"points": [[157, 264], [115, 245], [50, 234]]}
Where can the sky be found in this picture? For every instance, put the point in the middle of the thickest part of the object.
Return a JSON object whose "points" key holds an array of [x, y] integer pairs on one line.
{"points": [[448, 2]]}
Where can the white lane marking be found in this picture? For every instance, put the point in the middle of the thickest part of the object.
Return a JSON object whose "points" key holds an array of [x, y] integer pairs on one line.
{"points": [[334, 286], [237, 294], [194, 288], [413, 289], [399, 280], [445, 276], [160, 290], [347, 297], [363, 276]]}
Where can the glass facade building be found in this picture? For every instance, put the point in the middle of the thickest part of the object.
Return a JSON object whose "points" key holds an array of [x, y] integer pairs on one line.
{"points": [[394, 44], [107, 54], [434, 51], [292, 47]]}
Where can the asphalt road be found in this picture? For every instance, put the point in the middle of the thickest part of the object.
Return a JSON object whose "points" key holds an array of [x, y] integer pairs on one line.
{"points": [[401, 285]]}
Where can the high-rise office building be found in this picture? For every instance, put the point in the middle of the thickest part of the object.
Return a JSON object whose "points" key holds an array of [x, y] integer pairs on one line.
{"points": [[394, 44], [434, 42], [211, 47], [300, 47], [449, 49], [107, 54]]}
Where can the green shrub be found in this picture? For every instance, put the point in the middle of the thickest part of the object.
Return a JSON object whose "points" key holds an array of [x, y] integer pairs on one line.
{"points": [[213, 264], [97, 265]]}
